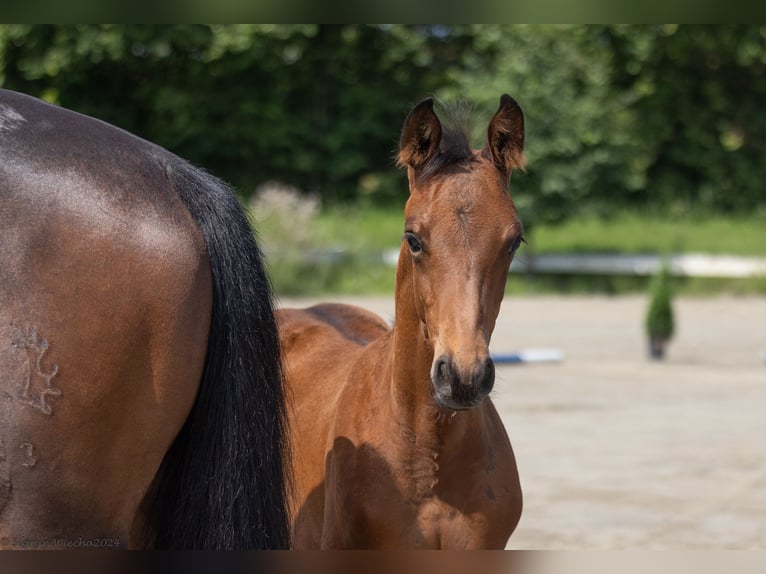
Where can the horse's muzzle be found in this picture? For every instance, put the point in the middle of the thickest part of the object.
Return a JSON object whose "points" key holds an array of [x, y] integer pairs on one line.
{"points": [[457, 389]]}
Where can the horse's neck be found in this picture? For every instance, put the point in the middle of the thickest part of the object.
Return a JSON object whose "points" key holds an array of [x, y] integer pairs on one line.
{"points": [[412, 353], [412, 395]]}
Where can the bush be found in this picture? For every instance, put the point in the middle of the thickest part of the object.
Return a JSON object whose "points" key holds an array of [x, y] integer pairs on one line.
{"points": [[659, 317]]}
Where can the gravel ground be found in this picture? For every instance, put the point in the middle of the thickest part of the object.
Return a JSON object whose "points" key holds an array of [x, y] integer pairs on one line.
{"points": [[618, 452]]}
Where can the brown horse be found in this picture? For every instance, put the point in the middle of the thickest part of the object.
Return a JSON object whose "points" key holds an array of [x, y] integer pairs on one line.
{"points": [[141, 387], [394, 442]]}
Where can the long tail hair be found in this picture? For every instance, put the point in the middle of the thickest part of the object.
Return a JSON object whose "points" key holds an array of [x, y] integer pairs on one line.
{"points": [[222, 484]]}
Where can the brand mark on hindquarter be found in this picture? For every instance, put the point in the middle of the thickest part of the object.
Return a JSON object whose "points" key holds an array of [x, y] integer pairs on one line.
{"points": [[36, 388]]}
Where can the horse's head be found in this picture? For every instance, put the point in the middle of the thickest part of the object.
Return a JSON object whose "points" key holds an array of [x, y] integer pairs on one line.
{"points": [[461, 233]]}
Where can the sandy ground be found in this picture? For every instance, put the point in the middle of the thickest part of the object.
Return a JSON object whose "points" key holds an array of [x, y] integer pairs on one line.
{"points": [[619, 452]]}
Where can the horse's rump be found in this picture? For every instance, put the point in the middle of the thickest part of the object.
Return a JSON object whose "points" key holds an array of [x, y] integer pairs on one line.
{"points": [[127, 276], [103, 279]]}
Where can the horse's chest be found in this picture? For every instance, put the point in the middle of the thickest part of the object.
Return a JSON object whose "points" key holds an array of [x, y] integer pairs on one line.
{"points": [[461, 510], [438, 525]]}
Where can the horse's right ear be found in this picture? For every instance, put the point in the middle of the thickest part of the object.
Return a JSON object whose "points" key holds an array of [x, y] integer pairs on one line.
{"points": [[505, 136], [421, 134]]}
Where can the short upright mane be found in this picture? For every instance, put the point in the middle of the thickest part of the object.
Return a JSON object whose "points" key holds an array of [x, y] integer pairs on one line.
{"points": [[457, 122]]}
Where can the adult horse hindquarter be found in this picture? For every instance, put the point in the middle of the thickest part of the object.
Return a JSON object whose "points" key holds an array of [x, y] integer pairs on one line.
{"points": [[140, 379], [394, 441]]}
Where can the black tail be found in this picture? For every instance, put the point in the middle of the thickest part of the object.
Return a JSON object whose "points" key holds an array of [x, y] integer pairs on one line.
{"points": [[222, 484]]}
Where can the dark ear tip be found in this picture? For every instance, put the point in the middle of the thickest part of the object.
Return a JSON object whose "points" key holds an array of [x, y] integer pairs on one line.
{"points": [[425, 103], [508, 101]]}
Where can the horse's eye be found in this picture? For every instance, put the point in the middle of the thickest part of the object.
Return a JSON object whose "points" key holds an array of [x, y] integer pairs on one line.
{"points": [[516, 244], [413, 242]]}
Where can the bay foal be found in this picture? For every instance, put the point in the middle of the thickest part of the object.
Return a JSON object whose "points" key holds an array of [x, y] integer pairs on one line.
{"points": [[394, 441]]}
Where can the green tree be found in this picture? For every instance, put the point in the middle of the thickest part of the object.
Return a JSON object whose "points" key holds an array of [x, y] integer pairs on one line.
{"points": [[662, 118], [700, 112]]}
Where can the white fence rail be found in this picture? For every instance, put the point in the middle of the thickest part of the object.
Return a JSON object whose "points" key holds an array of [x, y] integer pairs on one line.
{"points": [[689, 264]]}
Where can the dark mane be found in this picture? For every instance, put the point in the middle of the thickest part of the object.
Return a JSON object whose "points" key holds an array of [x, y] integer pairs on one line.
{"points": [[454, 148]]}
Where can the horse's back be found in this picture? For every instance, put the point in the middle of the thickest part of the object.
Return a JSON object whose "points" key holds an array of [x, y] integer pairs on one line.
{"points": [[356, 324], [105, 295], [326, 338]]}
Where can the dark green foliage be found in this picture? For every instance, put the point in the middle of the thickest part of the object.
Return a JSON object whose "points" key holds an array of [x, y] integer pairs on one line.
{"points": [[657, 117], [664, 118], [659, 317]]}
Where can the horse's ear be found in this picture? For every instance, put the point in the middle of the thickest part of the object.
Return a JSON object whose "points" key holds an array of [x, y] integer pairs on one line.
{"points": [[505, 136], [421, 134]]}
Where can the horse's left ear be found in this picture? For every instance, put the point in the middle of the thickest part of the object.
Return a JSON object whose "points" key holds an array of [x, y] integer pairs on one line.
{"points": [[505, 136]]}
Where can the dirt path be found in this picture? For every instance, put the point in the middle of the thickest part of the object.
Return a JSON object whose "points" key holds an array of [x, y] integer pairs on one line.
{"points": [[617, 452]]}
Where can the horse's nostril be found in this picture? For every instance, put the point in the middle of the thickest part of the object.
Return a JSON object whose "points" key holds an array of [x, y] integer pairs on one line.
{"points": [[442, 369], [487, 378]]}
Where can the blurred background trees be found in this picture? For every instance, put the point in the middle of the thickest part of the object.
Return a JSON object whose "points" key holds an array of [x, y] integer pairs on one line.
{"points": [[665, 118]]}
